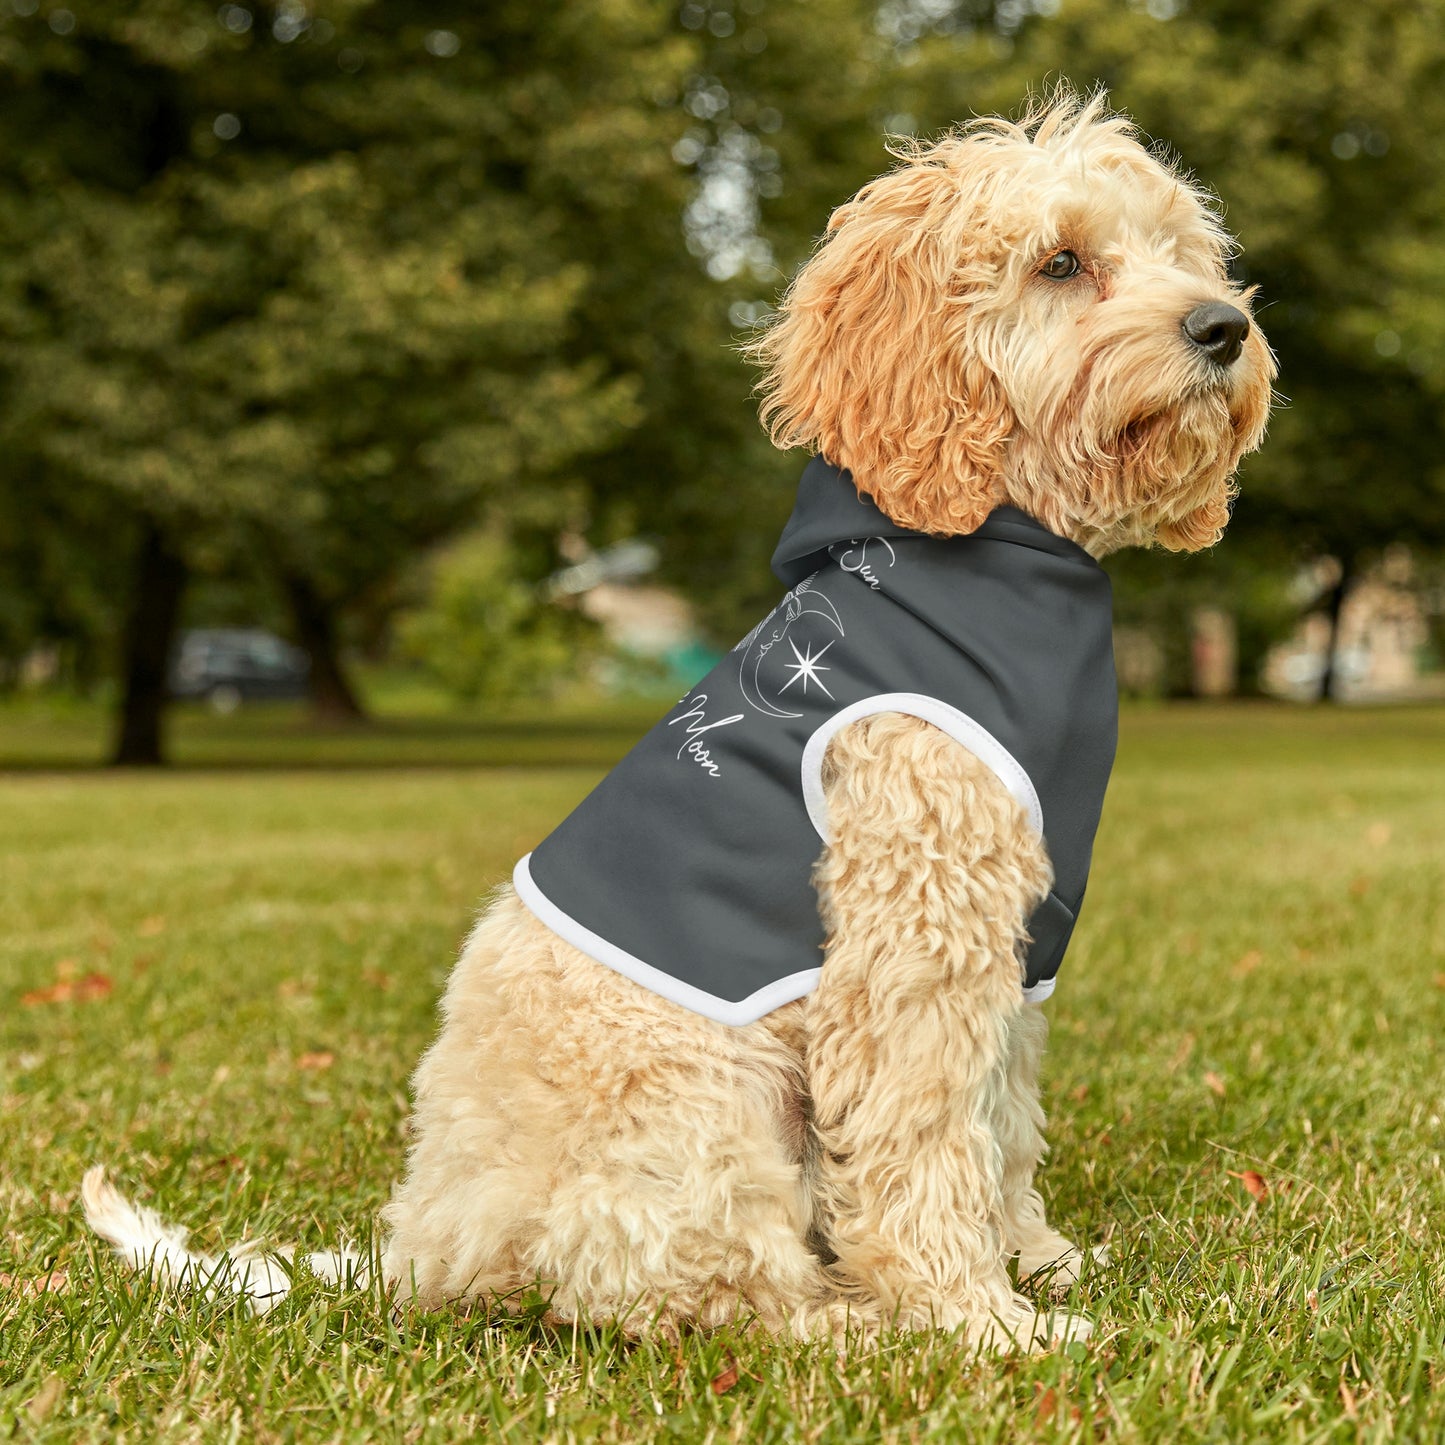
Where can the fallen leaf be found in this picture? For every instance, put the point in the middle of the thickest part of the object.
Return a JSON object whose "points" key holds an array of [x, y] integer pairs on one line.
{"points": [[377, 978], [320, 1059], [1047, 1408], [56, 993], [1080, 1094], [724, 1382], [151, 927], [1254, 1182], [1359, 886], [1214, 1083], [1440, 980], [1377, 834], [56, 1282], [83, 990], [1248, 963]]}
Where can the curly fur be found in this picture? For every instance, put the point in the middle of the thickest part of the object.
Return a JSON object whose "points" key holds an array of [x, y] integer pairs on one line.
{"points": [[576, 1133], [866, 1156], [921, 348]]}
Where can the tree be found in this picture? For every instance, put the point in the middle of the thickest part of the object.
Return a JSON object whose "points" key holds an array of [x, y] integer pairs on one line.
{"points": [[304, 287]]}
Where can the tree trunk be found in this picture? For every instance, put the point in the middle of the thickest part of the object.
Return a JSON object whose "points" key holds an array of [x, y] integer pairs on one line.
{"points": [[150, 631], [333, 699], [1329, 679]]}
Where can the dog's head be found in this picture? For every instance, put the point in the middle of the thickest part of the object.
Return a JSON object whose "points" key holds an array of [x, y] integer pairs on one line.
{"points": [[1035, 313]]}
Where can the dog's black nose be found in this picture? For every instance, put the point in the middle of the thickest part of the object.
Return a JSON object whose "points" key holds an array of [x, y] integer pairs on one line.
{"points": [[1218, 331]]}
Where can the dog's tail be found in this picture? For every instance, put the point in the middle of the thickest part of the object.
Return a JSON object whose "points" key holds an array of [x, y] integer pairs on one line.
{"points": [[147, 1243]]}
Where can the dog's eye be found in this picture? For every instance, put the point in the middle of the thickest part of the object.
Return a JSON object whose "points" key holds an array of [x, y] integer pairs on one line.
{"points": [[1060, 266]]}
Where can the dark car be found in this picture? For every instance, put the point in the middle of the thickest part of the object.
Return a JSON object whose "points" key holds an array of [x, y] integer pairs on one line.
{"points": [[231, 665]]}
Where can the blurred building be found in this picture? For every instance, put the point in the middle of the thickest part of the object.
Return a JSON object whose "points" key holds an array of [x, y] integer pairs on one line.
{"points": [[653, 631], [1382, 650]]}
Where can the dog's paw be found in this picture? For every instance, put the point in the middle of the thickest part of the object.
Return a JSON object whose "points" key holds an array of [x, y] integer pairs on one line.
{"points": [[1057, 1268], [1023, 1326]]}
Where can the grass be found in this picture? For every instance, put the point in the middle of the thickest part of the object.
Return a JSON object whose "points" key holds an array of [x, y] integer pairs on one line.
{"points": [[230, 971]]}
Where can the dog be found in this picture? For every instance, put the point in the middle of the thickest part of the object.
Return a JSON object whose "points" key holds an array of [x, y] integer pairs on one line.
{"points": [[1015, 352]]}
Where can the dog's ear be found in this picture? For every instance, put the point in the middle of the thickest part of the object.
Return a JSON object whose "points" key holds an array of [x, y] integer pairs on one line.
{"points": [[874, 358]]}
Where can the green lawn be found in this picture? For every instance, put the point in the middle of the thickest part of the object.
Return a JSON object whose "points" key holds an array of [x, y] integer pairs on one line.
{"points": [[216, 980]]}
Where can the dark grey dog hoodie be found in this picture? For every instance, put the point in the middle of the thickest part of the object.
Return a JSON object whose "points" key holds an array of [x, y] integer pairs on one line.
{"points": [[688, 868]]}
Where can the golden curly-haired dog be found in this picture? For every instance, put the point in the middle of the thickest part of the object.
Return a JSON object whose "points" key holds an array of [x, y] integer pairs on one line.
{"points": [[1035, 314]]}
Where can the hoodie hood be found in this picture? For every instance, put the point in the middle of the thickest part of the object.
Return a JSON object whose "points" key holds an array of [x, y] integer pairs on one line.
{"points": [[831, 510]]}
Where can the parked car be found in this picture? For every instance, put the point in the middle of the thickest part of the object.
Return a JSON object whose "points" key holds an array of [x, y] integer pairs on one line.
{"points": [[230, 665]]}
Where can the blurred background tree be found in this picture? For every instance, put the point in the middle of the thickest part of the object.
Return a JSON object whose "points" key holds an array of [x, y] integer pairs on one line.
{"points": [[309, 289], [485, 633], [294, 293]]}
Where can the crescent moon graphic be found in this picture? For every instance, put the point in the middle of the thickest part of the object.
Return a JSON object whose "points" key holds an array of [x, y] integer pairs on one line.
{"points": [[802, 601]]}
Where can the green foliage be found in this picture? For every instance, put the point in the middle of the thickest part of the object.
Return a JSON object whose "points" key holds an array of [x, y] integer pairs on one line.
{"points": [[485, 633], [316, 287], [310, 285]]}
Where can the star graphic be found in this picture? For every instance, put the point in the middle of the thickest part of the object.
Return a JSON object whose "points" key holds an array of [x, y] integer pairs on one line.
{"points": [[807, 668]]}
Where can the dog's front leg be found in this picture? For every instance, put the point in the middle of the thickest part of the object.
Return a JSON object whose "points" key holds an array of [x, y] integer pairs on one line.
{"points": [[1043, 1253], [925, 888]]}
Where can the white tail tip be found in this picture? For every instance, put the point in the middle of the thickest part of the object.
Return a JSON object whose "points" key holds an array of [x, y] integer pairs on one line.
{"points": [[147, 1243]]}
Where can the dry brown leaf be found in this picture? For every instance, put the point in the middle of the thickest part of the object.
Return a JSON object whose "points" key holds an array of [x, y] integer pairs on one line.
{"points": [[1214, 1083], [1359, 886], [319, 1059], [1440, 980], [1080, 1094], [56, 1282], [1254, 1182], [1046, 1408], [151, 927], [377, 978], [56, 993], [1377, 834], [82, 990], [1248, 963], [724, 1382]]}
